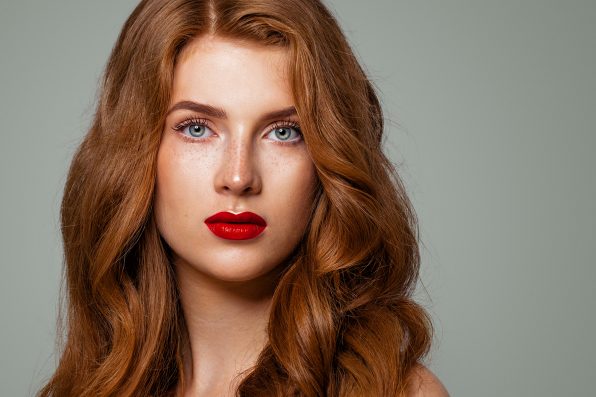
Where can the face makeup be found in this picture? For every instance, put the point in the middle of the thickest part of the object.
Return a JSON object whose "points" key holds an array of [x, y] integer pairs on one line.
{"points": [[229, 226], [235, 182]]}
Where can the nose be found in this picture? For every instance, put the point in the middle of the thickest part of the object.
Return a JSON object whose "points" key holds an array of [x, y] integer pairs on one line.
{"points": [[238, 172]]}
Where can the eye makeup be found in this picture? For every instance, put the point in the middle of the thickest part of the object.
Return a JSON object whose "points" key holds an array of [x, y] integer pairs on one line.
{"points": [[181, 127]]}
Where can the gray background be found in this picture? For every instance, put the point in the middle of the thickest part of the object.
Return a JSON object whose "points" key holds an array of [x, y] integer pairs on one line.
{"points": [[492, 111]]}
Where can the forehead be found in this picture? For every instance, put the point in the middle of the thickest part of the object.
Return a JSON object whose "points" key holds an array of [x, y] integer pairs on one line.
{"points": [[213, 66], [213, 43]]}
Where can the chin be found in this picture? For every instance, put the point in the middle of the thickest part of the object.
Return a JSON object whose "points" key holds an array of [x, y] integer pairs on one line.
{"points": [[238, 274], [232, 268]]}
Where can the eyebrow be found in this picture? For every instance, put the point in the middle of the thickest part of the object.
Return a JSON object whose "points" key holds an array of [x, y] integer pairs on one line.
{"points": [[221, 114]]}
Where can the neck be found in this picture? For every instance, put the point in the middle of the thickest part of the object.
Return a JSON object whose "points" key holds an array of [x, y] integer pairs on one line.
{"points": [[227, 328]]}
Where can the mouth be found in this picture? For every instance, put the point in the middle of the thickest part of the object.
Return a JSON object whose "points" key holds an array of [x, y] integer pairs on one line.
{"points": [[229, 226]]}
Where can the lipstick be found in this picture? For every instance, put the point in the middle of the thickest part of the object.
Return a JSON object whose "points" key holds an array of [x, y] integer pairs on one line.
{"points": [[229, 226]]}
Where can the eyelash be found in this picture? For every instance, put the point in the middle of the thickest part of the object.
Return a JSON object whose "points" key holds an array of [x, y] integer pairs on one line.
{"points": [[190, 121], [204, 122], [287, 124]]}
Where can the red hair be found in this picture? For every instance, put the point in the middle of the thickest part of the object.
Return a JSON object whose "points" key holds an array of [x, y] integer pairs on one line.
{"points": [[343, 322]]}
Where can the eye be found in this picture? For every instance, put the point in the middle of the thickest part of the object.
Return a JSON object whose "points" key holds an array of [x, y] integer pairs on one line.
{"points": [[194, 128], [285, 133]]}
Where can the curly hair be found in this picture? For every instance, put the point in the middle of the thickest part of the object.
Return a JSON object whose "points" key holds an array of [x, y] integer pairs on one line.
{"points": [[342, 321]]}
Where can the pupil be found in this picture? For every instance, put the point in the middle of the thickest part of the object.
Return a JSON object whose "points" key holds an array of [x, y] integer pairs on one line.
{"points": [[283, 133], [196, 130]]}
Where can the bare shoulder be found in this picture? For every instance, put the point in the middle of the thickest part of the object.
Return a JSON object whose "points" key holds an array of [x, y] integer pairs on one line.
{"points": [[423, 383]]}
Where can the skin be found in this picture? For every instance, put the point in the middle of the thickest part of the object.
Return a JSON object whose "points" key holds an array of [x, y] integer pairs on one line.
{"points": [[423, 383], [238, 164], [234, 162]]}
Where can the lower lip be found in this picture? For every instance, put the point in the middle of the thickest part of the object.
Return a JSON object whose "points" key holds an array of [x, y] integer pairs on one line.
{"points": [[236, 231]]}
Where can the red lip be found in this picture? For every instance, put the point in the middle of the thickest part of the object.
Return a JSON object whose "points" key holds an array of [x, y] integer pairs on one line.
{"points": [[243, 226]]}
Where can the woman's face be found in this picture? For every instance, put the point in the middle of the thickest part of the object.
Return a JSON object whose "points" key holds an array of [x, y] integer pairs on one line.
{"points": [[231, 143]]}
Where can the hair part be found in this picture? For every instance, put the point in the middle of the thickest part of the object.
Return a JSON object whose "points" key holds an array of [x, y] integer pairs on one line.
{"points": [[342, 323]]}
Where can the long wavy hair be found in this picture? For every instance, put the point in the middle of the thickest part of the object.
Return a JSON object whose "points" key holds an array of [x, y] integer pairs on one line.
{"points": [[342, 322]]}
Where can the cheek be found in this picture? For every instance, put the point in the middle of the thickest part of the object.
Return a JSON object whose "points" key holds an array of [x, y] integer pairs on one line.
{"points": [[294, 188], [181, 181]]}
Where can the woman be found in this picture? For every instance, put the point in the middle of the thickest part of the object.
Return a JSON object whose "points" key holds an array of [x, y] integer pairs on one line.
{"points": [[230, 223]]}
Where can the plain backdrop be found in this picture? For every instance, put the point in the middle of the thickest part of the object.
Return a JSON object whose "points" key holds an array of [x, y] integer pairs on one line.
{"points": [[491, 114]]}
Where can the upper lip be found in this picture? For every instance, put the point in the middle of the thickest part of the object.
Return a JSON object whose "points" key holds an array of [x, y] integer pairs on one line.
{"points": [[243, 217]]}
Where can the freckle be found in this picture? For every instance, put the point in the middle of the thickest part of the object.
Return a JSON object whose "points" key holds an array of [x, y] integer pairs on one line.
{"points": [[275, 161]]}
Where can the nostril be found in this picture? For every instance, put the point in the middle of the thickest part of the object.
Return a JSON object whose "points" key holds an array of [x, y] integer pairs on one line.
{"points": [[238, 178], [240, 189]]}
